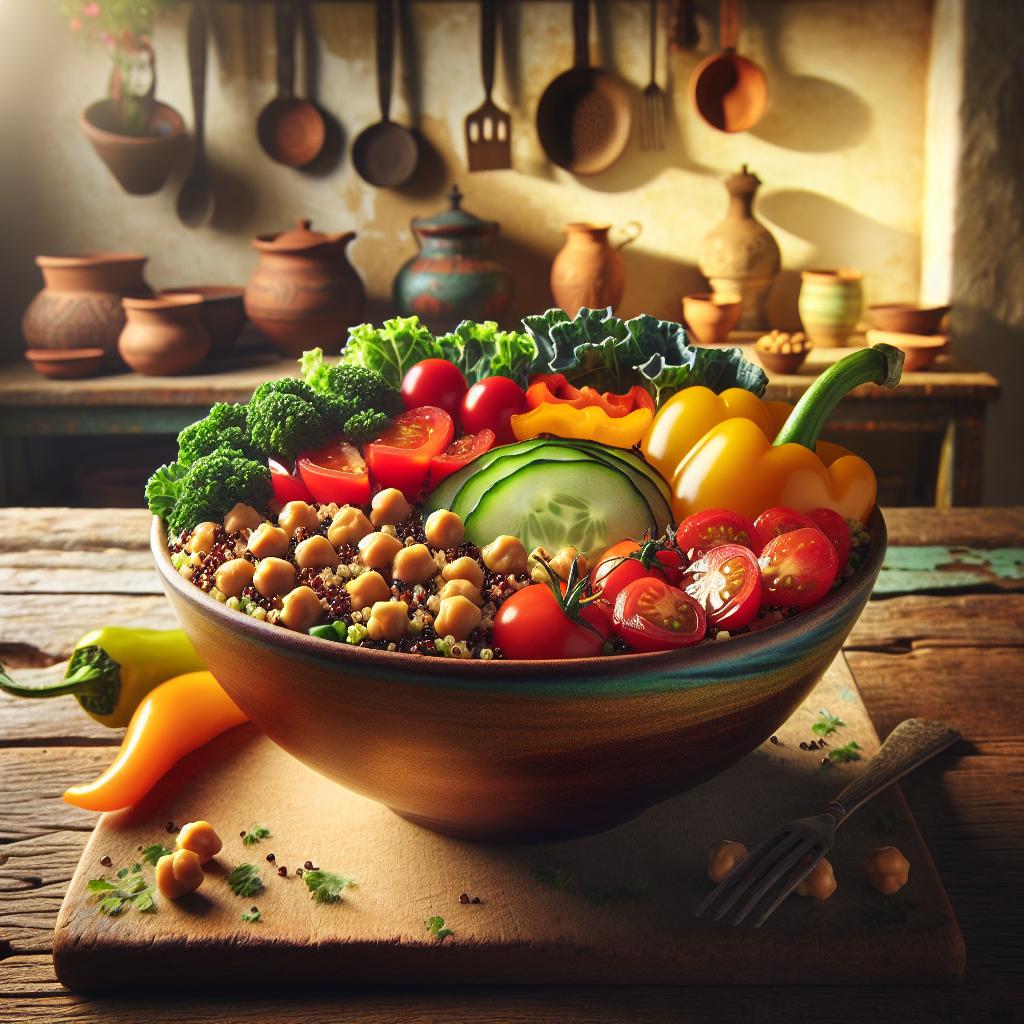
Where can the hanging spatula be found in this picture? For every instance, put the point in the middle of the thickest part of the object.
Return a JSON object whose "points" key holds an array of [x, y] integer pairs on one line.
{"points": [[488, 129]]}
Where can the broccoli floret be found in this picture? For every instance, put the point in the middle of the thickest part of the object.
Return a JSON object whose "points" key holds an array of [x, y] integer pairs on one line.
{"points": [[224, 425], [285, 417], [214, 484], [365, 426]]}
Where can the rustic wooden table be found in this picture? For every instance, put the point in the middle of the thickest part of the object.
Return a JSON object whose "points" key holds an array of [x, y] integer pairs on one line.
{"points": [[955, 653]]}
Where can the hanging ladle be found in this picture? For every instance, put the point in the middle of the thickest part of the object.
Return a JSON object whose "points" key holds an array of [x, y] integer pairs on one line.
{"points": [[729, 91], [196, 199]]}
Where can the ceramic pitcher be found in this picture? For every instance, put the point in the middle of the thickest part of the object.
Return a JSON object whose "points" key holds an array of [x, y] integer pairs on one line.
{"points": [[589, 271]]}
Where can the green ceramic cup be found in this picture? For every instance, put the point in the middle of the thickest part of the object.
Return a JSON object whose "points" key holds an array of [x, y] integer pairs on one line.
{"points": [[830, 305]]}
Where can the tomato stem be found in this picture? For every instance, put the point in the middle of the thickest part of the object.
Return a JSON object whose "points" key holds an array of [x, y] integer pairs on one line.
{"points": [[572, 600]]}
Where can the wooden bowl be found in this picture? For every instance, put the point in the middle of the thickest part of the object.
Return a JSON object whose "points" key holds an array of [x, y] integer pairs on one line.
{"points": [[66, 363], [920, 350], [517, 751], [908, 318], [222, 313]]}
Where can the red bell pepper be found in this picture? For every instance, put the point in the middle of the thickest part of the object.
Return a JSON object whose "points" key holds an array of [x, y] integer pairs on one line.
{"points": [[554, 388]]}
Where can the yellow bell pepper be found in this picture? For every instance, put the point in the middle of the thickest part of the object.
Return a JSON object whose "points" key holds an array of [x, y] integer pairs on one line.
{"points": [[735, 466], [589, 424]]}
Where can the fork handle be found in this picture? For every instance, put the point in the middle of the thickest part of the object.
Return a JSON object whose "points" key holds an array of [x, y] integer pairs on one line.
{"points": [[908, 746]]}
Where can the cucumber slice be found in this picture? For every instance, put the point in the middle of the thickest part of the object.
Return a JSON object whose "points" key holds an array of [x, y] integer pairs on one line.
{"points": [[588, 504], [443, 495], [631, 459]]}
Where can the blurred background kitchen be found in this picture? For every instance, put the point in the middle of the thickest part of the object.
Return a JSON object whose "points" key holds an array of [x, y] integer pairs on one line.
{"points": [[890, 145]]}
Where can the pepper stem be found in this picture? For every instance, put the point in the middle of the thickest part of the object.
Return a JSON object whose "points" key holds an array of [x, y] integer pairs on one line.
{"points": [[93, 677], [879, 364]]}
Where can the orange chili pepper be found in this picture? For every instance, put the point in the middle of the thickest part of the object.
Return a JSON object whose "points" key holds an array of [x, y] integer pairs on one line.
{"points": [[177, 717]]}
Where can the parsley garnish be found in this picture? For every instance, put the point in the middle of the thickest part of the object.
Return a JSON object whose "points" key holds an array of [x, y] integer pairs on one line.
{"points": [[255, 834], [614, 893], [128, 889], [326, 886], [890, 821], [435, 926], [889, 911], [151, 854], [251, 915], [828, 724], [843, 754], [245, 880], [555, 877]]}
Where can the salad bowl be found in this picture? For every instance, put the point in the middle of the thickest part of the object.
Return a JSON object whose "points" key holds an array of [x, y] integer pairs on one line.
{"points": [[517, 751]]}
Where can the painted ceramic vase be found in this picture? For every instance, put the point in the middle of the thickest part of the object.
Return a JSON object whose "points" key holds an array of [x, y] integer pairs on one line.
{"points": [[164, 336], [588, 270], [830, 305], [80, 305], [304, 293], [452, 279], [740, 258]]}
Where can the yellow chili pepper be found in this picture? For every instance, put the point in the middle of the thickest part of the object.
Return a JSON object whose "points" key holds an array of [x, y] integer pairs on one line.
{"points": [[735, 466], [179, 716], [589, 424], [112, 669]]}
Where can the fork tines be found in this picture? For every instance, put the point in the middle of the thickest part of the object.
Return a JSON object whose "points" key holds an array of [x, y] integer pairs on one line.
{"points": [[652, 118]]}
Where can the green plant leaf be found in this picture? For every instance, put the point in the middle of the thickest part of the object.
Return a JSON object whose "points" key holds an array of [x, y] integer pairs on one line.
{"points": [[326, 886], [480, 350], [390, 349], [151, 854], [435, 925], [827, 724], [245, 880]]}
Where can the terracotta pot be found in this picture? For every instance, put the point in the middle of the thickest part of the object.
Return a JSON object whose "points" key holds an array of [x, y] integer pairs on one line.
{"points": [[740, 258], [908, 318], [710, 318], [80, 305], [222, 313], [141, 163], [66, 363], [919, 350], [589, 271], [830, 305], [164, 336], [304, 293]]}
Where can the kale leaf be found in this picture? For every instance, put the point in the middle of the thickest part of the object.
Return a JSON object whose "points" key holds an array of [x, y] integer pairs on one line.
{"points": [[480, 350], [326, 886], [391, 349]]}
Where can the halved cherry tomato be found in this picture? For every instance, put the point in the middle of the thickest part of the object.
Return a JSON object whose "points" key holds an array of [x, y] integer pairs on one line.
{"points": [[458, 454], [833, 525], [287, 486], [699, 533], [336, 473], [652, 616], [435, 382], [530, 625], [620, 565], [400, 456], [490, 404], [774, 522], [797, 569], [726, 583]]}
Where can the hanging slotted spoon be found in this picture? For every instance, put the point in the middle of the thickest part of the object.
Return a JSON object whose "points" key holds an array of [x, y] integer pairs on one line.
{"points": [[488, 128], [652, 101]]}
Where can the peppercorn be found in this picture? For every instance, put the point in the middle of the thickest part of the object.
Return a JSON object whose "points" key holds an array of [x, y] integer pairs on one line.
{"points": [[476, 899], [242, 833], [775, 740], [803, 746], [169, 827], [254, 910], [282, 871], [298, 871], [270, 857], [106, 861], [464, 898], [309, 866]]}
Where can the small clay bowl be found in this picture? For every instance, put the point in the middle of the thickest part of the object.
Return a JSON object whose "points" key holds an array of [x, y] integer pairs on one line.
{"points": [[907, 318], [768, 347], [781, 362], [711, 317], [517, 751], [66, 363], [919, 350], [222, 313]]}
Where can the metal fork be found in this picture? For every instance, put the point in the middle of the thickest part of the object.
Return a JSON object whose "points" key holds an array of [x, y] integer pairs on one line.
{"points": [[652, 109], [773, 868]]}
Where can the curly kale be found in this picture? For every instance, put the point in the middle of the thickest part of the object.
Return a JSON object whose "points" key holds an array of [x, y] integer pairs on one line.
{"points": [[223, 426], [285, 417], [163, 487], [214, 484]]}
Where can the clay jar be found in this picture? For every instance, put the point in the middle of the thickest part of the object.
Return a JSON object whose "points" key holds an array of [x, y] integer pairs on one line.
{"points": [[163, 336], [589, 271], [710, 318], [830, 305], [80, 305], [304, 293], [740, 257]]}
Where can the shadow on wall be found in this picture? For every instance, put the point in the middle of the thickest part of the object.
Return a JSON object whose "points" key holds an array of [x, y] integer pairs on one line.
{"points": [[530, 270], [666, 280]]}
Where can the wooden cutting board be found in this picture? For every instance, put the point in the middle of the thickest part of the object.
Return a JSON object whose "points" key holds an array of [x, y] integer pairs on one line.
{"points": [[617, 908]]}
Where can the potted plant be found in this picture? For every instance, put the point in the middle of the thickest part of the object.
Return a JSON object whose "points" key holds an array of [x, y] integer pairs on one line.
{"points": [[138, 138]]}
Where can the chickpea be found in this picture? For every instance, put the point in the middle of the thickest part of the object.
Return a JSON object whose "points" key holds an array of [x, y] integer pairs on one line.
{"points": [[296, 514], [820, 883], [461, 588], [505, 555], [464, 568], [458, 617], [201, 838], [242, 517], [302, 609], [389, 508], [562, 562], [349, 526], [178, 874], [316, 553], [234, 576], [268, 541], [723, 857], [444, 529], [886, 869], [414, 564], [203, 538], [367, 589], [274, 577], [389, 620], [378, 549]]}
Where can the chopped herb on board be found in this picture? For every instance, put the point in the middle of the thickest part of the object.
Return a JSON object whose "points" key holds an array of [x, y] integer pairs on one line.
{"points": [[889, 911], [250, 916], [848, 753], [435, 925], [128, 889], [255, 834], [890, 821], [326, 886], [617, 893], [245, 880], [557, 878], [151, 854], [827, 725]]}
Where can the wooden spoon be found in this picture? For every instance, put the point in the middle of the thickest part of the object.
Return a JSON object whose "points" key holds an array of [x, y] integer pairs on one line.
{"points": [[291, 131], [196, 199]]}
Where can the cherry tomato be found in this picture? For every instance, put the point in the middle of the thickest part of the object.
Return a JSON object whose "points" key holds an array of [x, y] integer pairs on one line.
{"points": [[400, 456], [652, 616], [287, 486], [336, 473], [797, 569], [699, 533], [436, 382], [530, 625], [458, 454], [490, 405], [775, 522], [726, 583], [618, 567], [833, 525]]}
